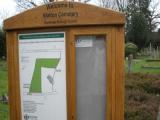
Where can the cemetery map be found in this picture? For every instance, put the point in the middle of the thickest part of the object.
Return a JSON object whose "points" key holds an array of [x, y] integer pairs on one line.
{"points": [[42, 66]]}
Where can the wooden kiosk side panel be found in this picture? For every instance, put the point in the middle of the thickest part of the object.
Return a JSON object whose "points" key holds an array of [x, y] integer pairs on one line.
{"points": [[72, 105], [112, 79], [13, 77], [119, 33]]}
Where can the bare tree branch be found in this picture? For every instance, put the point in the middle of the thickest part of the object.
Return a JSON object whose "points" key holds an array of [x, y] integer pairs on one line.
{"points": [[154, 16], [21, 6], [26, 4], [46, 1], [108, 4], [34, 4]]}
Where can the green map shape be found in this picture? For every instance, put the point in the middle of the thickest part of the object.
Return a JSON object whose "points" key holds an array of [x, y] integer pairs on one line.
{"points": [[36, 84]]}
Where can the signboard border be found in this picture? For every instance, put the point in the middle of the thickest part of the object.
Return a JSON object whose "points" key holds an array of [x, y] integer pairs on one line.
{"points": [[34, 35]]}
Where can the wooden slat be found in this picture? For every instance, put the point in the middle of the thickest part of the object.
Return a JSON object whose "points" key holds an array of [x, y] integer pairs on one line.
{"points": [[119, 73], [72, 77], [67, 75], [113, 79], [13, 77], [109, 75]]}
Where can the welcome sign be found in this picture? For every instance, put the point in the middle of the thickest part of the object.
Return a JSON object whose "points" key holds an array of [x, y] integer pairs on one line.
{"points": [[65, 62]]}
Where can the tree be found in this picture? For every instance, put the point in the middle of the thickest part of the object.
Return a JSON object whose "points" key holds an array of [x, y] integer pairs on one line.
{"points": [[3, 15], [138, 30], [107, 4], [159, 30], [119, 5], [27, 4], [154, 16], [2, 43], [122, 5], [140, 22], [148, 8]]}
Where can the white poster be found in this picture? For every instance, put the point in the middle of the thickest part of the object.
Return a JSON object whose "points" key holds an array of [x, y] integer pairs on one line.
{"points": [[42, 61], [85, 41]]}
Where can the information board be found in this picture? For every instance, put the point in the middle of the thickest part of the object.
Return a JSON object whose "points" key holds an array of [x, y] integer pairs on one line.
{"points": [[42, 66]]}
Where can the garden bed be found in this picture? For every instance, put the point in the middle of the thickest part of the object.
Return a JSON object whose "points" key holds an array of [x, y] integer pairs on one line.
{"points": [[142, 98]]}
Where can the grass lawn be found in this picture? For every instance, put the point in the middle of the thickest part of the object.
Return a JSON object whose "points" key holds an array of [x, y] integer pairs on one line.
{"points": [[3, 90], [142, 66]]}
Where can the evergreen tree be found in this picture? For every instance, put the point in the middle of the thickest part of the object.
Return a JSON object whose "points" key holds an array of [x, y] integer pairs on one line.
{"points": [[159, 31], [138, 30], [2, 44], [137, 24]]}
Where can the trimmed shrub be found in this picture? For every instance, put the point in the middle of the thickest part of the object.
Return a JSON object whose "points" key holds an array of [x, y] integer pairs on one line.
{"points": [[130, 48]]}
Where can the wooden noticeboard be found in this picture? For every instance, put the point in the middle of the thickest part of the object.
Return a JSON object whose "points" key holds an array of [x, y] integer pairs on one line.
{"points": [[66, 62]]}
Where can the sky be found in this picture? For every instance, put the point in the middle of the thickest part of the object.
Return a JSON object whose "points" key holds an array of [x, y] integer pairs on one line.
{"points": [[7, 5], [7, 9]]}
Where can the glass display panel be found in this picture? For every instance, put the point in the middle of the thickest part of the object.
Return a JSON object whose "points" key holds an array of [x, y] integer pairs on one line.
{"points": [[91, 77]]}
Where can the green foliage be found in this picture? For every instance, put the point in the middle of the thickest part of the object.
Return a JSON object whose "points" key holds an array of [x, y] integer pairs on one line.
{"points": [[138, 30], [130, 48], [139, 22], [2, 44]]}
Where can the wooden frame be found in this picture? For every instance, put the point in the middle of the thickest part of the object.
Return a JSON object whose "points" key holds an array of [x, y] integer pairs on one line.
{"points": [[92, 31], [13, 69], [112, 27], [112, 81]]}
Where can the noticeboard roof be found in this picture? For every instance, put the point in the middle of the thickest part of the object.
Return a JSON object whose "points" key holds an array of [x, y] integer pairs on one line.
{"points": [[58, 14]]}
